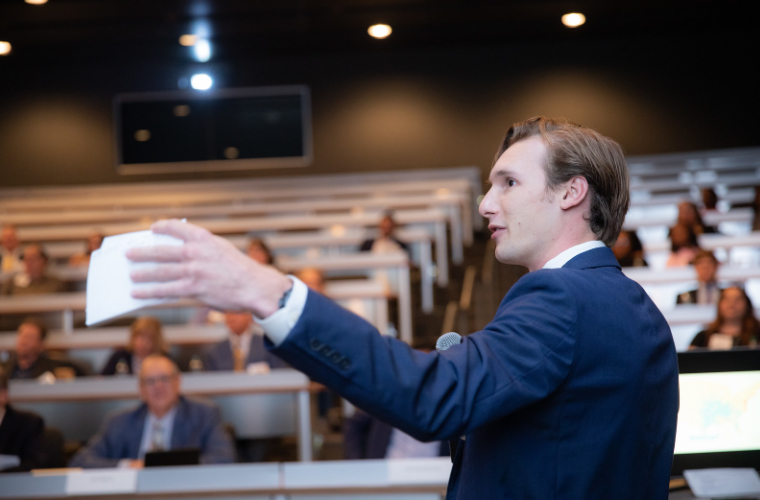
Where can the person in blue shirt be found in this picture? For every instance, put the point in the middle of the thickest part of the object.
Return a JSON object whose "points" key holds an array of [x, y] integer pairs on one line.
{"points": [[570, 392]]}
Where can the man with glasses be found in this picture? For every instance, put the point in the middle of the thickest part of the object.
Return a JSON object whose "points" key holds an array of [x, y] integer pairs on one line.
{"points": [[165, 420]]}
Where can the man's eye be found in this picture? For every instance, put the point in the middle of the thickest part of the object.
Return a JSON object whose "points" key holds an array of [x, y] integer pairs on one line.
{"points": [[511, 182]]}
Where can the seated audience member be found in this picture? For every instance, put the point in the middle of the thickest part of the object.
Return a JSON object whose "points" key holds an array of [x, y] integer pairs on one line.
{"points": [[387, 242], [83, 259], [735, 325], [30, 360], [368, 437], [706, 266], [628, 250], [688, 215], [259, 251], [145, 338], [164, 421], [34, 280], [243, 349], [20, 433], [709, 200], [683, 246], [313, 278], [10, 251]]}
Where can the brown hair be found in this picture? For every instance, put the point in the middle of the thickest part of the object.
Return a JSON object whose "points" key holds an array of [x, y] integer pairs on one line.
{"points": [[571, 151], [35, 321], [153, 327], [750, 325], [706, 254]]}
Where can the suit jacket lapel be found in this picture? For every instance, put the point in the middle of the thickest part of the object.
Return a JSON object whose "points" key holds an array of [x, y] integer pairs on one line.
{"points": [[179, 428], [136, 431]]}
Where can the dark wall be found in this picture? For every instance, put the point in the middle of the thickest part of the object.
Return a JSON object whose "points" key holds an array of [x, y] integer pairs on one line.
{"points": [[412, 109]]}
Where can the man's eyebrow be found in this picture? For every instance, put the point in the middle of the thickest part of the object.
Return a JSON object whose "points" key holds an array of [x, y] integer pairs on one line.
{"points": [[502, 173]]}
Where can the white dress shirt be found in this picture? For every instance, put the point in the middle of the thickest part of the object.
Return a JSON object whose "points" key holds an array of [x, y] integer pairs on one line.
{"points": [[167, 425]]}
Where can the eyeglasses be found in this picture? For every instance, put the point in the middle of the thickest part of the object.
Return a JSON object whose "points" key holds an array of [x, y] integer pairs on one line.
{"points": [[159, 379]]}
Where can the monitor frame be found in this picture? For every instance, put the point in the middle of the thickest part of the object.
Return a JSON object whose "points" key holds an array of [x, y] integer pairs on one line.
{"points": [[704, 361], [215, 165]]}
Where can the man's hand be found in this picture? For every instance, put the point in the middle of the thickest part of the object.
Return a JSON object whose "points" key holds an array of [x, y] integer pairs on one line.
{"points": [[207, 268]]}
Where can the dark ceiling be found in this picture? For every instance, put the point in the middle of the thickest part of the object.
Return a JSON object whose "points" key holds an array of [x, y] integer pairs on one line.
{"points": [[94, 30]]}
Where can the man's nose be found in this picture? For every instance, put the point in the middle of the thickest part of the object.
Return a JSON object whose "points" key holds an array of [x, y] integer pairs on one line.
{"points": [[486, 207]]}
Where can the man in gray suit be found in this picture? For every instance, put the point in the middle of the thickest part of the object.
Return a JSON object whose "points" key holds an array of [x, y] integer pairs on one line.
{"points": [[243, 350], [166, 420]]}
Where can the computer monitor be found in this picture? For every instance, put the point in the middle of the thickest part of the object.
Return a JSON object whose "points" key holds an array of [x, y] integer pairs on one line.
{"points": [[719, 413], [184, 456]]}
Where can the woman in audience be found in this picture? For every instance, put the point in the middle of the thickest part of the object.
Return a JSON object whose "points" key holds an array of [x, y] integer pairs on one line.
{"points": [[628, 250], [146, 338], [735, 325], [683, 246], [258, 251], [688, 215]]}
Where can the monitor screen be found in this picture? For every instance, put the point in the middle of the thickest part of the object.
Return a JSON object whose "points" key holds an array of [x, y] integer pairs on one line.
{"points": [[229, 129], [719, 412]]}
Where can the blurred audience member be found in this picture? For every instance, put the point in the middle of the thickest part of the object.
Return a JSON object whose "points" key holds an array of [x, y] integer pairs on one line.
{"points": [[30, 360], [367, 437], [34, 280], [20, 434], [83, 259], [164, 421], [709, 200], [688, 215], [683, 246], [735, 325], [313, 278], [259, 251], [387, 242], [10, 251], [145, 338], [243, 350], [628, 250], [706, 266]]}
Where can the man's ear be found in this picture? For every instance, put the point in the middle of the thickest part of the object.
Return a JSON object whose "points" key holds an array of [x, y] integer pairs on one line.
{"points": [[574, 192]]}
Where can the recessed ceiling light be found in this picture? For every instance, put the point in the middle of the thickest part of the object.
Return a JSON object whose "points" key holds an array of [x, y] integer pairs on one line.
{"points": [[36, 2], [202, 50], [5, 48], [188, 40], [379, 30], [573, 19], [201, 81]]}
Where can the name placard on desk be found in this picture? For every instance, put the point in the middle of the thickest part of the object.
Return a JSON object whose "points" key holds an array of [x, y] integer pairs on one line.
{"points": [[419, 471], [101, 481]]}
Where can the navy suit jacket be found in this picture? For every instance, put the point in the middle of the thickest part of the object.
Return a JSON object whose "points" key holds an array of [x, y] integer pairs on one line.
{"points": [[196, 425], [368, 437], [570, 392], [218, 356]]}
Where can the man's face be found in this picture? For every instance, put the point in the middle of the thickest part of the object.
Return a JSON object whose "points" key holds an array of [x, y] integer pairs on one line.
{"points": [[29, 343], [8, 239], [706, 269], [159, 385], [238, 322], [521, 211], [34, 262]]}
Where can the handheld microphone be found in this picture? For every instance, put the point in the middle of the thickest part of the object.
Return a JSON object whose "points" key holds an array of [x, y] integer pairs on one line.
{"points": [[444, 342], [447, 340]]}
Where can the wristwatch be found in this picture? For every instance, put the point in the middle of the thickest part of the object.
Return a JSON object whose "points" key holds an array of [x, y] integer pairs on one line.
{"points": [[284, 298]]}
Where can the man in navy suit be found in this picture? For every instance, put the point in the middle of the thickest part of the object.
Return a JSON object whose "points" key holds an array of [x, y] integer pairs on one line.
{"points": [[571, 392], [243, 349], [165, 421]]}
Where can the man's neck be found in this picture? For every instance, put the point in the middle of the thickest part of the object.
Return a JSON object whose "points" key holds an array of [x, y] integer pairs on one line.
{"points": [[159, 415], [27, 362]]}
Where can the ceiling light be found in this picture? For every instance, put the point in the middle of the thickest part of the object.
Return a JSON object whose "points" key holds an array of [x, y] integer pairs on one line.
{"points": [[5, 48], [201, 81], [188, 40], [36, 2], [573, 19], [379, 30], [202, 50]]}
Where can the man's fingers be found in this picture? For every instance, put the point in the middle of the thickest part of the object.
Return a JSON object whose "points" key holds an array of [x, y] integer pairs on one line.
{"points": [[159, 273], [179, 229], [156, 254], [180, 288]]}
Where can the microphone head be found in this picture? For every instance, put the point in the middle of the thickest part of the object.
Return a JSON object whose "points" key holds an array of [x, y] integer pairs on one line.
{"points": [[447, 340]]}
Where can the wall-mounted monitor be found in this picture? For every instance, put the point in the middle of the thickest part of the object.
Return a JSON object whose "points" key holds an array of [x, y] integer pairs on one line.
{"points": [[227, 129]]}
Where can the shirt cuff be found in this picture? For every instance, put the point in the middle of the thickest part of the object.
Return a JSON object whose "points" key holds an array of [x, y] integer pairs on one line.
{"points": [[277, 326]]}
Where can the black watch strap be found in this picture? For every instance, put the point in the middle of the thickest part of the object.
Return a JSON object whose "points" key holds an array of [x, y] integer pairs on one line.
{"points": [[284, 298]]}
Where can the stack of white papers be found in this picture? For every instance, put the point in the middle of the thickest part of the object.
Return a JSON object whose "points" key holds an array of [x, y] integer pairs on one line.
{"points": [[108, 284]]}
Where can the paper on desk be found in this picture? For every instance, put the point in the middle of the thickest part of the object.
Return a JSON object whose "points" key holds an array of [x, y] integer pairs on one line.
{"points": [[108, 282], [723, 483]]}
